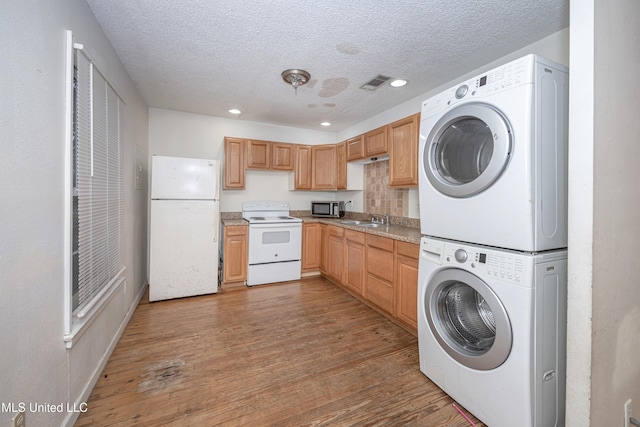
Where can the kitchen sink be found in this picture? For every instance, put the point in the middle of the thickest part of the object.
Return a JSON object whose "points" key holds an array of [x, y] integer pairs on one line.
{"points": [[368, 224]]}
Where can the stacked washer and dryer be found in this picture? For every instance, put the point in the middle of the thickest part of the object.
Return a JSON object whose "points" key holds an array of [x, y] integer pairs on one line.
{"points": [[493, 259]]}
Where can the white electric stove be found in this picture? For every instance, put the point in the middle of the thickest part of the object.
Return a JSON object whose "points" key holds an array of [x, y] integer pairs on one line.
{"points": [[275, 242]]}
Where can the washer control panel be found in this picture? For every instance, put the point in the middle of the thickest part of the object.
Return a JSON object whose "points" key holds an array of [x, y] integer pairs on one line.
{"points": [[504, 265]]}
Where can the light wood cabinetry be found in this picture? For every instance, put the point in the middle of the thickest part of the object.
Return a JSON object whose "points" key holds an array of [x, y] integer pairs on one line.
{"points": [[235, 253], [335, 252], [375, 142], [355, 148], [403, 152], [234, 163], [324, 249], [258, 154], [379, 287], [355, 261], [283, 156], [311, 249], [406, 283], [323, 167], [341, 166], [303, 165]]}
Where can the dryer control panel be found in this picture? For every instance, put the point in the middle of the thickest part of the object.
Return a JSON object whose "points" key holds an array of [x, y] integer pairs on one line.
{"points": [[520, 71]]}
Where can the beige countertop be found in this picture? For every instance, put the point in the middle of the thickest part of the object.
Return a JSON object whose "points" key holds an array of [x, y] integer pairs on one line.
{"points": [[396, 232]]}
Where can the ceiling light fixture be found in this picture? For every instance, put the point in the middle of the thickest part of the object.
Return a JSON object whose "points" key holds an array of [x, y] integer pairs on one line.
{"points": [[296, 77], [235, 111], [398, 83], [325, 124]]}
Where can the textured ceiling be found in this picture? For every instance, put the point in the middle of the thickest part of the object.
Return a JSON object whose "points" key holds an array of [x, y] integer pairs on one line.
{"points": [[207, 56]]}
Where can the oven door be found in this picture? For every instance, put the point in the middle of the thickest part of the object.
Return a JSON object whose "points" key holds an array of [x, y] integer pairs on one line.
{"points": [[275, 242]]}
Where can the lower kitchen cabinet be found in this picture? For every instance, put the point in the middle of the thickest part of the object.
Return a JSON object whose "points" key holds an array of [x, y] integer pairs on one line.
{"points": [[355, 271], [311, 246], [406, 282], [335, 252], [235, 246], [379, 287]]}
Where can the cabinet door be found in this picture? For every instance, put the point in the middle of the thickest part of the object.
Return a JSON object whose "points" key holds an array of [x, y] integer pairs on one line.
{"points": [[302, 172], [234, 163], [375, 142], [324, 249], [355, 261], [355, 148], [311, 252], [335, 260], [258, 154], [283, 156], [403, 152], [407, 283], [341, 166], [235, 253], [323, 168], [379, 288]]}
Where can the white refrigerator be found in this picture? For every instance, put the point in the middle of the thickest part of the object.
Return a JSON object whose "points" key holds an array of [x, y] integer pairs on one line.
{"points": [[184, 227]]}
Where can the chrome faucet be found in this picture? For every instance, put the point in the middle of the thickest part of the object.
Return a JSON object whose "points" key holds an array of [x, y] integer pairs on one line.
{"points": [[385, 219]]}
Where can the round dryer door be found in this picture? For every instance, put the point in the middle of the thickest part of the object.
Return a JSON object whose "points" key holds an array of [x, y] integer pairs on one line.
{"points": [[467, 150], [467, 319]]}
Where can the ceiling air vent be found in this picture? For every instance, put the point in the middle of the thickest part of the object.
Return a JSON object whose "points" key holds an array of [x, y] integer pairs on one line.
{"points": [[375, 83]]}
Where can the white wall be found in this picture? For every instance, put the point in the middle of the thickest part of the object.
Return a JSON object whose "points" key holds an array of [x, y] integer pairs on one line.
{"points": [[604, 295], [35, 365], [173, 133]]}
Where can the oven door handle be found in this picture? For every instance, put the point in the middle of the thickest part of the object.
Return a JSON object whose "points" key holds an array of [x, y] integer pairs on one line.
{"points": [[276, 225]]}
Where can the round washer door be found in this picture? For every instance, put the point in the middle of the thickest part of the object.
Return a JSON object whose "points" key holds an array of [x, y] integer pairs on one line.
{"points": [[467, 319], [467, 150]]}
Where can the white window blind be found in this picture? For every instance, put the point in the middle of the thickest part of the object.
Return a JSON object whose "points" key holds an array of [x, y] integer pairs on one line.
{"points": [[98, 186]]}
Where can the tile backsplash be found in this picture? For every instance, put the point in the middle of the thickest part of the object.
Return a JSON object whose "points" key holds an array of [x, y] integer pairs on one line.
{"points": [[378, 197]]}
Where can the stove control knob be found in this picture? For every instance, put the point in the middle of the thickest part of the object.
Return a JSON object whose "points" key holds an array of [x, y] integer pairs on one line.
{"points": [[461, 255]]}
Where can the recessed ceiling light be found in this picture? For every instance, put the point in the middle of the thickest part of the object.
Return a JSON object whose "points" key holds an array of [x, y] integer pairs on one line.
{"points": [[325, 124], [398, 83], [235, 111]]}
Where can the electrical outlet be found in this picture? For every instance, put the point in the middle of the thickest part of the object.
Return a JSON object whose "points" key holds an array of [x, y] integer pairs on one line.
{"points": [[18, 420], [627, 413]]}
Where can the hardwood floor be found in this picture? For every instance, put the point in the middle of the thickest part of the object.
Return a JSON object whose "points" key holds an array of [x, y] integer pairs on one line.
{"points": [[294, 354]]}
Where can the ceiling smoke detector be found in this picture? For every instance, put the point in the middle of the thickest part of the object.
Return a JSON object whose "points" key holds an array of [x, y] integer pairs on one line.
{"points": [[296, 77]]}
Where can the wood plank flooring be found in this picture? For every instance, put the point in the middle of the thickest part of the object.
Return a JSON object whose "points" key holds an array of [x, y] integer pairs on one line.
{"points": [[293, 354]]}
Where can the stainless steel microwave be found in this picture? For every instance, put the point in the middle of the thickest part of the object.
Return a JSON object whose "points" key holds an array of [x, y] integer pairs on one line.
{"points": [[327, 209]]}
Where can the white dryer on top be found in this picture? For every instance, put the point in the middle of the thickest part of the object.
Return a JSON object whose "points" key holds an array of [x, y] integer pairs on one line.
{"points": [[493, 158]]}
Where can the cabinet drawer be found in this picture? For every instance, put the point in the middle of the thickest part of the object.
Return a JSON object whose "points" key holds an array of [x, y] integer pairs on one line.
{"points": [[236, 230], [336, 231], [380, 263], [383, 243], [354, 236], [410, 250], [380, 293]]}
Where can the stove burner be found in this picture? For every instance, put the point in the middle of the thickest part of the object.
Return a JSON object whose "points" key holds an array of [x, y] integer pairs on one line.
{"points": [[257, 218]]}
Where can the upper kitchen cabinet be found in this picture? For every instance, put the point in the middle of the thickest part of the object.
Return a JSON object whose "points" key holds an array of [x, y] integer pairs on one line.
{"points": [[234, 163], [283, 156], [375, 142], [258, 154], [403, 151], [323, 167], [341, 166], [302, 169], [355, 148]]}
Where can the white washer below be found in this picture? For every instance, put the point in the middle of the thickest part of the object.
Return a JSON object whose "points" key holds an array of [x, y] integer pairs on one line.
{"points": [[492, 330]]}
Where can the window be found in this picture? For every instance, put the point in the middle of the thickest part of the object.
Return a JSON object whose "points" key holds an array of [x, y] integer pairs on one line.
{"points": [[97, 205]]}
